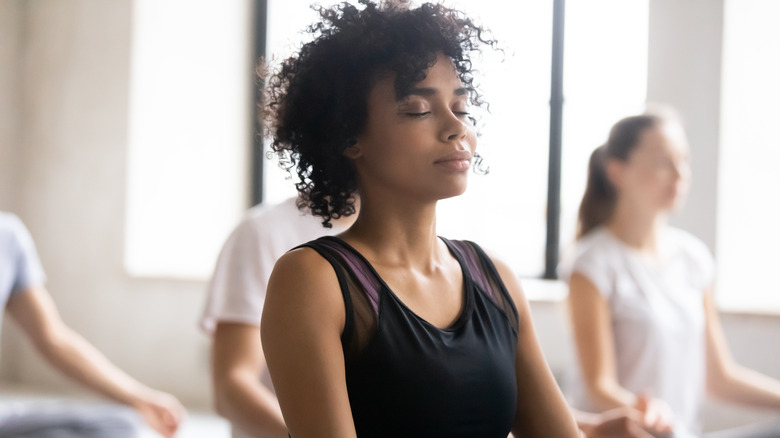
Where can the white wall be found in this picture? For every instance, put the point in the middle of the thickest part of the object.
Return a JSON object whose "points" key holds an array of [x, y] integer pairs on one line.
{"points": [[9, 35], [9, 145], [69, 188]]}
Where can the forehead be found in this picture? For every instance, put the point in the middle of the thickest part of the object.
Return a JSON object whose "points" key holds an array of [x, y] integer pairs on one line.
{"points": [[665, 138], [442, 74], [441, 77]]}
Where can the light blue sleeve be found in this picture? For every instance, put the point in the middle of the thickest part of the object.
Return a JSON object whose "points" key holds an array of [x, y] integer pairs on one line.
{"points": [[29, 271]]}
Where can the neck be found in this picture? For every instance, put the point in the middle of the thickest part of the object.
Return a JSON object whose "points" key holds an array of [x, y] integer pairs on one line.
{"points": [[636, 227], [396, 233]]}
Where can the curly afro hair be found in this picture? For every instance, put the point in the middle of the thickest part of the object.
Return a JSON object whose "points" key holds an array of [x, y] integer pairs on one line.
{"points": [[316, 104]]}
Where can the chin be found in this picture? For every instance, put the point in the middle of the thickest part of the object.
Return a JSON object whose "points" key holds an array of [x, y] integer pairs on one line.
{"points": [[672, 205], [452, 193]]}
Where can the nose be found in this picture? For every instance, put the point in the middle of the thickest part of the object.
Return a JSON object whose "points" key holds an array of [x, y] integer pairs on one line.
{"points": [[453, 127], [681, 169]]}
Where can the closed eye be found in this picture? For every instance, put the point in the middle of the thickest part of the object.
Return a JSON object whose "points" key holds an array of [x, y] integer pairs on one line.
{"points": [[422, 114]]}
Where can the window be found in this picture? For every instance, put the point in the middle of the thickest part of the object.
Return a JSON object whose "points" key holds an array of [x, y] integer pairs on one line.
{"points": [[189, 133], [287, 20], [748, 214], [605, 79]]}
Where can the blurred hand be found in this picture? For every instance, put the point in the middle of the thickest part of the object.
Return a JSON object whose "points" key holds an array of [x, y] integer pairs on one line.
{"points": [[656, 415], [618, 423], [161, 411]]}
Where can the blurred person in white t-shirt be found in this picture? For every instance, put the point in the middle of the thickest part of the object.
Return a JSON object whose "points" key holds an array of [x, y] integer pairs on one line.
{"points": [[641, 292], [242, 387]]}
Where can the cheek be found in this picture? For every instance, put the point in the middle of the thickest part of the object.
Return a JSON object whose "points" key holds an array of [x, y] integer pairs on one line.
{"points": [[648, 183], [391, 153]]}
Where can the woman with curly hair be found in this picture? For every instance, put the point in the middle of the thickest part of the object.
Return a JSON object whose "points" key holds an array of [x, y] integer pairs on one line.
{"points": [[388, 330]]}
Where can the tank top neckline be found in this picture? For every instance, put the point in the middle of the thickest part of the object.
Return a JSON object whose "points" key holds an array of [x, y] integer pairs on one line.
{"points": [[468, 299]]}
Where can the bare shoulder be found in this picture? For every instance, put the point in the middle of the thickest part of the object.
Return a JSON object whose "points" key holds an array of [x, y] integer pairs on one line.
{"points": [[304, 284], [301, 265]]}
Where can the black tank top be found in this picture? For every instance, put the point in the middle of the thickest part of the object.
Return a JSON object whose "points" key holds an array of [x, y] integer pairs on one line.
{"points": [[408, 378]]}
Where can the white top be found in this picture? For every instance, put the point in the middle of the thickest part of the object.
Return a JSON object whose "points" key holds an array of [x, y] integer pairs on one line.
{"points": [[236, 292], [657, 317]]}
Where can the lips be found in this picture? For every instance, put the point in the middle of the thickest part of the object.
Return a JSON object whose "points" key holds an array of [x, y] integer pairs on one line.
{"points": [[455, 156], [458, 161]]}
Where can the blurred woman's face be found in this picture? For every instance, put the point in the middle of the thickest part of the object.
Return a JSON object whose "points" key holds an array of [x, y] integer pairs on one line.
{"points": [[657, 175], [418, 146]]}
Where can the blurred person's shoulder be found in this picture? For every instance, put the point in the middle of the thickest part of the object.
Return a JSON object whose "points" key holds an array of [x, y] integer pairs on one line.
{"points": [[9, 222], [282, 213], [267, 220], [699, 261], [593, 255], [599, 243], [689, 244], [12, 229], [282, 223]]}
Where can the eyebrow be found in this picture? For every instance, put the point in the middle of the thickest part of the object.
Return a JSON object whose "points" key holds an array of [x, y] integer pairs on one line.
{"points": [[431, 91]]}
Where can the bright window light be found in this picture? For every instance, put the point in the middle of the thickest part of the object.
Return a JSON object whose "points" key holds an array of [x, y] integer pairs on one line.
{"points": [[605, 80], [189, 133], [287, 20], [748, 211]]}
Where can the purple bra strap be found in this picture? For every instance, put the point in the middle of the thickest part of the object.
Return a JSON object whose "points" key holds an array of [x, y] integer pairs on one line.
{"points": [[473, 266], [359, 267]]}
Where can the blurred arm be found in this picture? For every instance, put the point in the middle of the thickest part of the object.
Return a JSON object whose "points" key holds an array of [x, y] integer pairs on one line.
{"points": [[727, 379], [237, 363], [593, 337], [35, 312]]}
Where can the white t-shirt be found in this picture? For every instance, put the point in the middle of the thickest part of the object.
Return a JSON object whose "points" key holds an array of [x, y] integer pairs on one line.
{"points": [[236, 292], [657, 317]]}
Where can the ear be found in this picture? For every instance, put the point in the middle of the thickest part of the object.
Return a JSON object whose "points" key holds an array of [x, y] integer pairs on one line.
{"points": [[353, 152], [615, 170]]}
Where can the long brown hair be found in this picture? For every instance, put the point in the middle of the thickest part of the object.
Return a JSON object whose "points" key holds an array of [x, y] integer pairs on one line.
{"points": [[598, 202]]}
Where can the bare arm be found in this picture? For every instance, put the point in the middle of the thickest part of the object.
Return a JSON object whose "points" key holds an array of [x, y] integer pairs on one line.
{"points": [[34, 310], [593, 336], [541, 408], [301, 333], [727, 379], [237, 363]]}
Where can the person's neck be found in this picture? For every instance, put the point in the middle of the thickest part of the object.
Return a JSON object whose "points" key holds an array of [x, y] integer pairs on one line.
{"points": [[637, 228], [396, 233]]}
